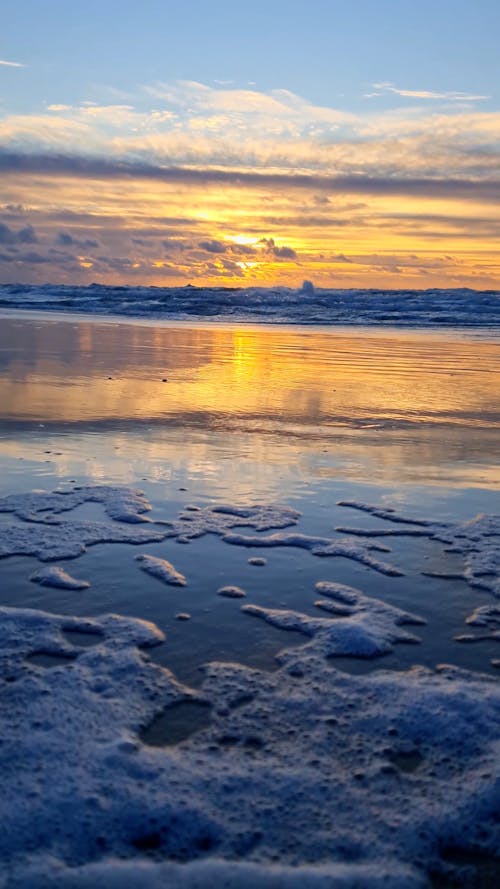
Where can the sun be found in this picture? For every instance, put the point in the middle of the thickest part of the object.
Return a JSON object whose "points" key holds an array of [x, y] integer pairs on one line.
{"points": [[243, 240]]}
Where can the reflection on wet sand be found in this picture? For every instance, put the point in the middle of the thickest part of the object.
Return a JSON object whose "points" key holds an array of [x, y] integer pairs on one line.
{"points": [[260, 466], [249, 379], [380, 406]]}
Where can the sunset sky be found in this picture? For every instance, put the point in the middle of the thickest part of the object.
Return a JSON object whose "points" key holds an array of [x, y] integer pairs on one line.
{"points": [[223, 143]]}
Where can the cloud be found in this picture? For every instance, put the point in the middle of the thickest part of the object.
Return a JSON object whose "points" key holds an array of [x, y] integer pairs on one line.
{"points": [[381, 88], [48, 131], [32, 258], [199, 99], [60, 165], [11, 64], [24, 235], [174, 244], [250, 181], [213, 246], [192, 125], [280, 252], [64, 239], [228, 247]]}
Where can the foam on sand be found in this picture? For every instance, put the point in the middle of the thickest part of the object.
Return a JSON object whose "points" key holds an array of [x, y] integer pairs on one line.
{"points": [[68, 540], [221, 519], [486, 617], [231, 592], [161, 569], [345, 780], [46, 536], [347, 601], [322, 546], [304, 766], [57, 577], [478, 540], [362, 626], [121, 504]]}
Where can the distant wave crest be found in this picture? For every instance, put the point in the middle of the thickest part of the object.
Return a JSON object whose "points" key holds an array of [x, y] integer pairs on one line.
{"points": [[280, 305]]}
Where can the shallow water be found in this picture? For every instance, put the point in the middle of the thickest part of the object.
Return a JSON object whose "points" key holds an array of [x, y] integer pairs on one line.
{"points": [[203, 416]]}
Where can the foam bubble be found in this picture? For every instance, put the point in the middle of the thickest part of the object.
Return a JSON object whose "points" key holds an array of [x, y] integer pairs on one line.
{"points": [[57, 577], [231, 592], [161, 569]]}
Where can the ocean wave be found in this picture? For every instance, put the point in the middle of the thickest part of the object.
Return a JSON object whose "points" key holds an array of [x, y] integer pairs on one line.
{"points": [[460, 307]]}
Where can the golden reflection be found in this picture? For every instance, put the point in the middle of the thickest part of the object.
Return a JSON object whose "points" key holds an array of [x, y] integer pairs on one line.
{"points": [[306, 381]]}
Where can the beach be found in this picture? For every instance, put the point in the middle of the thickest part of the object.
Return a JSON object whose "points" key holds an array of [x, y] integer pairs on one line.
{"points": [[249, 445], [329, 475]]}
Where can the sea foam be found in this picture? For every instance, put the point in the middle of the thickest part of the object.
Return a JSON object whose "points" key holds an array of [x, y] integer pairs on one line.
{"points": [[305, 766], [344, 780]]}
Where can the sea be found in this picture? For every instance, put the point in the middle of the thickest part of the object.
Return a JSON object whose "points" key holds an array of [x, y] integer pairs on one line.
{"points": [[306, 305]]}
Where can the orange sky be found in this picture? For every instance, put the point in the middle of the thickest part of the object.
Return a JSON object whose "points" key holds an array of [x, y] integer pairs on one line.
{"points": [[222, 186]]}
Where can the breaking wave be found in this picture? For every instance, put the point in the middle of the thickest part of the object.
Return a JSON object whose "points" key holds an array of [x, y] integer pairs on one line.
{"points": [[307, 305]]}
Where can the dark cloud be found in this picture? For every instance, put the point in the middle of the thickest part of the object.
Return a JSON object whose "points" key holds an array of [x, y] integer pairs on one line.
{"points": [[117, 263], [32, 258], [64, 239], [26, 235], [60, 254], [228, 247], [174, 244], [213, 246], [100, 168], [243, 250], [280, 252], [23, 236]]}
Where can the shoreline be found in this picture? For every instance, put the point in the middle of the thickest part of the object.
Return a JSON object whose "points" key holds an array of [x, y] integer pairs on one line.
{"points": [[377, 330]]}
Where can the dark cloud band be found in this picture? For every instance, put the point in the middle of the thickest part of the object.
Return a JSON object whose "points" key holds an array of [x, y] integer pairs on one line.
{"points": [[100, 168]]}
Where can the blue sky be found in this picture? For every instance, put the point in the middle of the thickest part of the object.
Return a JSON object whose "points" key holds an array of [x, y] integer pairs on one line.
{"points": [[324, 50], [383, 117]]}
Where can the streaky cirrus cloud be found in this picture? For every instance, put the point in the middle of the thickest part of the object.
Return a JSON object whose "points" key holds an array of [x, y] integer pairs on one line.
{"points": [[450, 95], [7, 64]]}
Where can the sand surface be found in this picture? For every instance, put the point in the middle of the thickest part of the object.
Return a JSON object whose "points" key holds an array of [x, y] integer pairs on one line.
{"points": [[334, 478]]}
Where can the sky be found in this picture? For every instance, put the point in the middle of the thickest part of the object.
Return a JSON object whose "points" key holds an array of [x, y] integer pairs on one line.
{"points": [[232, 144]]}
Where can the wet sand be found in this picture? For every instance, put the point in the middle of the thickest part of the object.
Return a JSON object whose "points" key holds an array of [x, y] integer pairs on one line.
{"points": [[240, 415], [307, 751]]}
